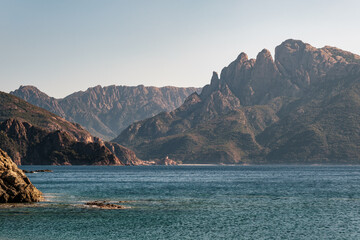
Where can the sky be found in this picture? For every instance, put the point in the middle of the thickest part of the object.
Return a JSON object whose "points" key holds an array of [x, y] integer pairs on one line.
{"points": [[70, 45]]}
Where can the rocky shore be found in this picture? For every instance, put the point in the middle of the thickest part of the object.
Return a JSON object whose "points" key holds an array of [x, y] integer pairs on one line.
{"points": [[15, 186]]}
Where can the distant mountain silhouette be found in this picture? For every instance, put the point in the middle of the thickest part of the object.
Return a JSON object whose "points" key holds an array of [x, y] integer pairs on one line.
{"points": [[106, 111]]}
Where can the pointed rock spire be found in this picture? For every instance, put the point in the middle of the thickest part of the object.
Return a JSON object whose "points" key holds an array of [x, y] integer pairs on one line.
{"points": [[264, 55], [242, 57], [215, 79]]}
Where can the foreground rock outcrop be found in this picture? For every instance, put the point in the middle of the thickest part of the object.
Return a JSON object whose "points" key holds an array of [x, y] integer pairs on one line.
{"points": [[15, 187]]}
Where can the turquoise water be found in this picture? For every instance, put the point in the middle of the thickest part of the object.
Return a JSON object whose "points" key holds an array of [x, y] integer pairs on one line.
{"points": [[191, 202]]}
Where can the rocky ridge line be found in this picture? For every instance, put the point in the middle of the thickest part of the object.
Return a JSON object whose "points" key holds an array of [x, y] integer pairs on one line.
{"points": [[263, 110], [106, 111]]}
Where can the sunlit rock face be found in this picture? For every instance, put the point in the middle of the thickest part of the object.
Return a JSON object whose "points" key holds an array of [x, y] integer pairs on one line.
{"points": [[32, 135], [15, 187], [291, 109], [106, 111]]}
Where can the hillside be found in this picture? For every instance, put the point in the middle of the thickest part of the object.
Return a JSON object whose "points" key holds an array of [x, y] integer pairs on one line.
{"points": [[301, 107], [106, 111], [32, 135], [14, 107]]}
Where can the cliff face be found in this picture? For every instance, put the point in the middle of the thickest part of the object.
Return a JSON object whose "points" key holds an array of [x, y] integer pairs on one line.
{"points": [[32, 145], [106, 111], [15, 187], [14, 107], [34, 96], [31, 135], [263, 110]]}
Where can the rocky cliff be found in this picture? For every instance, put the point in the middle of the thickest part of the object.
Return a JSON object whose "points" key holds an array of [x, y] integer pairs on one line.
{"points": [[31, 135], [15, 187], [106, 111], [32, 145], [300, 107], [14, 107]]}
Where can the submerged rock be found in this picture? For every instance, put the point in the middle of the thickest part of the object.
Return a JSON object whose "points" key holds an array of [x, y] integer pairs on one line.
{"points": [[44, 170], [36, 171], [15, 187], [104, 205]]}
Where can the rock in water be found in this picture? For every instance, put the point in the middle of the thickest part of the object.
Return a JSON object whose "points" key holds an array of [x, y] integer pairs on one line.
{"points": [[15, 187], [104, 205]]}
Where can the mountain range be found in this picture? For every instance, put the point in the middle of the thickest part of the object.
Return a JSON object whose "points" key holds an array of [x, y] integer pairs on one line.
{"points": [[301, 107], [106, 111]]}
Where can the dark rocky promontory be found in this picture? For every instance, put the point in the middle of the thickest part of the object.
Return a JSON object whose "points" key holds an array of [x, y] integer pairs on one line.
{"points": [[33, 136]]}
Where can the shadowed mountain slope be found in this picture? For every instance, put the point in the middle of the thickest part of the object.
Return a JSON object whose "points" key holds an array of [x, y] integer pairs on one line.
{"points": [[300, 107], [32, 135]]}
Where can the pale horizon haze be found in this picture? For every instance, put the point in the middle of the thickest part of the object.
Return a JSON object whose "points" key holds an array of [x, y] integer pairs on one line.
{"points": [[66, 46]]}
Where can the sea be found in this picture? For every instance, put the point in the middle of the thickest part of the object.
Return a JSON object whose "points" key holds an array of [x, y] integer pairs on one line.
{"points": [[189, 202]]}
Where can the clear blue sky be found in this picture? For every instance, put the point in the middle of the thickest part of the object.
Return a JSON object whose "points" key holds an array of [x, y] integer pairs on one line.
{"points": [[63, 46]]}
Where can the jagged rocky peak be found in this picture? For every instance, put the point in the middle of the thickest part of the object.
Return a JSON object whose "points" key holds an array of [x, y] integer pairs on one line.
{"points": [[33, 95], [237, 75], [293, 45], [281, 116], [250, 79], [29, 91], [191, 100], [296, 66], [341, 55], [242, 57], [237, 67], [213, 86], [295, 60], [264, 65], [305, 64], [215, 79], [264, 55]]}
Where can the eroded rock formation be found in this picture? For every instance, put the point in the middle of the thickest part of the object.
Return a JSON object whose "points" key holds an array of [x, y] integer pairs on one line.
{"points": [[15, 187]]}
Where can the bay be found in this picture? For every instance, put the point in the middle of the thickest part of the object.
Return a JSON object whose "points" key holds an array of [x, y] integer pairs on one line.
{"points": [[190, 202]]}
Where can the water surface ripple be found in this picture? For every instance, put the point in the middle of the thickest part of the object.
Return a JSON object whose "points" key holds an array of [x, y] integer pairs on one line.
{"points": [[190, 202]]}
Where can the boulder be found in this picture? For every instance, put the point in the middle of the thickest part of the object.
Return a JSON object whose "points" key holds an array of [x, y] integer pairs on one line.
{"points": [[15, 187]]}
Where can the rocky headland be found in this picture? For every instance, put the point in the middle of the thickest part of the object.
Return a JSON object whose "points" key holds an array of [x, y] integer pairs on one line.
{"points": [[32, 135]]}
